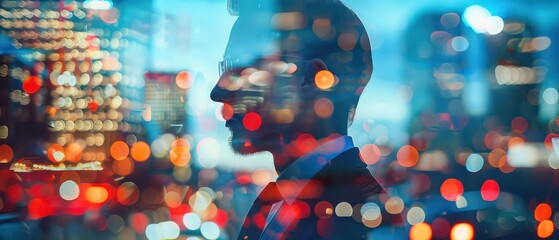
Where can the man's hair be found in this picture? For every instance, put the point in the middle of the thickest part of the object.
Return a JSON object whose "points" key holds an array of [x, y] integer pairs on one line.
{"points": [[326, 30]]}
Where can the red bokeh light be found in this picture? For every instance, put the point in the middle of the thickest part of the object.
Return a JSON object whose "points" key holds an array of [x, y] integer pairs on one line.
{"points": [[93, 106], [252, 121], [227, 111], [451, 189], [519, 124], [490, 190], [55, 153], [305, 143], [139, 222], [542, 212], [32, 84], [441, 227], [221, 218], [38, 208]]}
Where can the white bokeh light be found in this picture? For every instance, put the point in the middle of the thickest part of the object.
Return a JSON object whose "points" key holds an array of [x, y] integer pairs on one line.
{"points": [[494, 25], [69, 190], [476, 17], [210, 230], [192, 221], [550, 95]]}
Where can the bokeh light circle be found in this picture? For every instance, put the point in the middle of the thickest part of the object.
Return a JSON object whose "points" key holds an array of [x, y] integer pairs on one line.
{"points": [[323, 107], [32, 84], [462, 231], [210, 230], [324, 79], [394, 205], [6, 153], [370, 154], [183, 80], [123, 167], [96, 194], [119, 150], [252, 121], [192, 221], [415, 215], [490, 190], [140, 151], [474, 162], [55, 153], [127, 193], [370, 211], [451, 189], [407, 156], [421, 231], [73, 152], [542, 212], [69, 190], [545, 229]]}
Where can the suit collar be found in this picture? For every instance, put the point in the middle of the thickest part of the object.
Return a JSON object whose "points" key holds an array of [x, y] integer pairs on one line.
{"points": [[296, 176]]}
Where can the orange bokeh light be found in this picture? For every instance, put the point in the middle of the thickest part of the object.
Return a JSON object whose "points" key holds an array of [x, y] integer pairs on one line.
{"points": [[6, 153], [73, 152], [96, 194], [497, 157], [462, 231], [179, 160], [324, 79], [451, 189], [183, 80], [123, 167], [323, 107], [515, 141], [127, 193], [370, 154], [180, 152], [545, 229], [542, 212], [407, 156], [227, 111], [119, 150], [140, 151], [421, 231], [55, 153]]}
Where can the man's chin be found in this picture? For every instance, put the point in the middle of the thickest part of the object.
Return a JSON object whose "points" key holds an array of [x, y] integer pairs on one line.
{"points": [[243, 147]]}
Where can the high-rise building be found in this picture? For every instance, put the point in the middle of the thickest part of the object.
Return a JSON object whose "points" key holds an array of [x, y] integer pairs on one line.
{"points": [[165, 101], [85, 82]]}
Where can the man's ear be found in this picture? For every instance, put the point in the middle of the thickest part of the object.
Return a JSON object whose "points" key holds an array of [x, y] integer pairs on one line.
{"points": [[313, 67]]}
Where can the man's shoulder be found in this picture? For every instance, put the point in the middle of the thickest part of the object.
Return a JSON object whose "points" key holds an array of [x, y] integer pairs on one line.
{"points": [[347, 178]]}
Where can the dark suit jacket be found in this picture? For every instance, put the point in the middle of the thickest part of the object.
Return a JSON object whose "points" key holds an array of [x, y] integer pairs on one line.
{"points": [[344, 179]]}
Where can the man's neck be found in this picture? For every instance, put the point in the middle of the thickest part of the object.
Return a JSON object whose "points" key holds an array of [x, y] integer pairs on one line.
{"points": [[289, 152]]}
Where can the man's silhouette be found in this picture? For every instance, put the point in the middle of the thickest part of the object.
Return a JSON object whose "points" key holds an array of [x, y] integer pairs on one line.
{"points": [[291, 77]]}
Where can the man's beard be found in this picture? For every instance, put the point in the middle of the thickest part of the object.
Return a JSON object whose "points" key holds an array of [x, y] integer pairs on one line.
{"points": [[241, 141], [245, 143]]}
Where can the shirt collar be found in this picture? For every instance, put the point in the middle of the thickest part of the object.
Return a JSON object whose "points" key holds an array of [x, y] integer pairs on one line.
{"points": [[293, 179]]}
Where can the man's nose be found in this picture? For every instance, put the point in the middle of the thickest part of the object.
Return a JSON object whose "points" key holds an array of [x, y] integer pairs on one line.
{"points": [[220, 94]]}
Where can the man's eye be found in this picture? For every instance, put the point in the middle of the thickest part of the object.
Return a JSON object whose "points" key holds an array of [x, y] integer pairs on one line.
{"points": [[236, 71]]}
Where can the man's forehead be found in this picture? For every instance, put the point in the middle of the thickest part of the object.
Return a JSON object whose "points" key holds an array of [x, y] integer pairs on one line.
{"points": [[253, 37]]}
